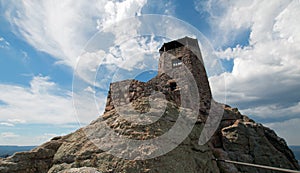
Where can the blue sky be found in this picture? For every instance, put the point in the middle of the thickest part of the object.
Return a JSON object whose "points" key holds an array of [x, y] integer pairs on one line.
{"points": [[40, 43]]}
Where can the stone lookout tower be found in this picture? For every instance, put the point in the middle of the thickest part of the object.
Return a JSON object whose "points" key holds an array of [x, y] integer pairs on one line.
{"points": [[185, 53]]}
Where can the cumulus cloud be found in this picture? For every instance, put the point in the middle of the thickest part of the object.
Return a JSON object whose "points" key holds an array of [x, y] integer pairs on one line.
{"points": [[288, 129], [272, 112], [42, 102], [63, 28], [266, 71], [129, 56], [237, 17], [116, 11], [265, 78]]}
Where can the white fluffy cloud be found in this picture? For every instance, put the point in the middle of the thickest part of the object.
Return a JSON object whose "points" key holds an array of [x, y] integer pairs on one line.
{"points": [[63, 28], [135, 55], [288, 129], [42, 102], [274, 111], [236, 17], [267, 69], [264, 81], [118, 10]]}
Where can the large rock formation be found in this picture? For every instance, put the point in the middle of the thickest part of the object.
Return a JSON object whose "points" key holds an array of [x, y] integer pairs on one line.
{"points": [[237, 138]]}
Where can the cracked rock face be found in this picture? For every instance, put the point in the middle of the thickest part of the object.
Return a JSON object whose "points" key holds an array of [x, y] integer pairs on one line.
{"points": [[237, 137]]}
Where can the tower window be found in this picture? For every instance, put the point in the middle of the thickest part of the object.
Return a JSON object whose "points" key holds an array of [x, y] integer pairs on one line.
{"points": [[173, 86], [176, 62]]}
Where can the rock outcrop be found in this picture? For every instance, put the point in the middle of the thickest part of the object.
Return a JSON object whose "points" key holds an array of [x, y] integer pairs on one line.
{"points": [[237, 138]]}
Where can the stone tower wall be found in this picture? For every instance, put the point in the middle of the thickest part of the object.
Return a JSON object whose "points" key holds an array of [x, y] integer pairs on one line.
{"points": [[187, 52]]}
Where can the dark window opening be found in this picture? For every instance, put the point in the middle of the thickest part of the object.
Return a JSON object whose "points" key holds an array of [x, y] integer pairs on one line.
{"points": [[177, 62], [173, 86]]}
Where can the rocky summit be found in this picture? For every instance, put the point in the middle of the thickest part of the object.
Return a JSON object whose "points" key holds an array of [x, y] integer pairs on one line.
{"points": [[145, 111]]}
